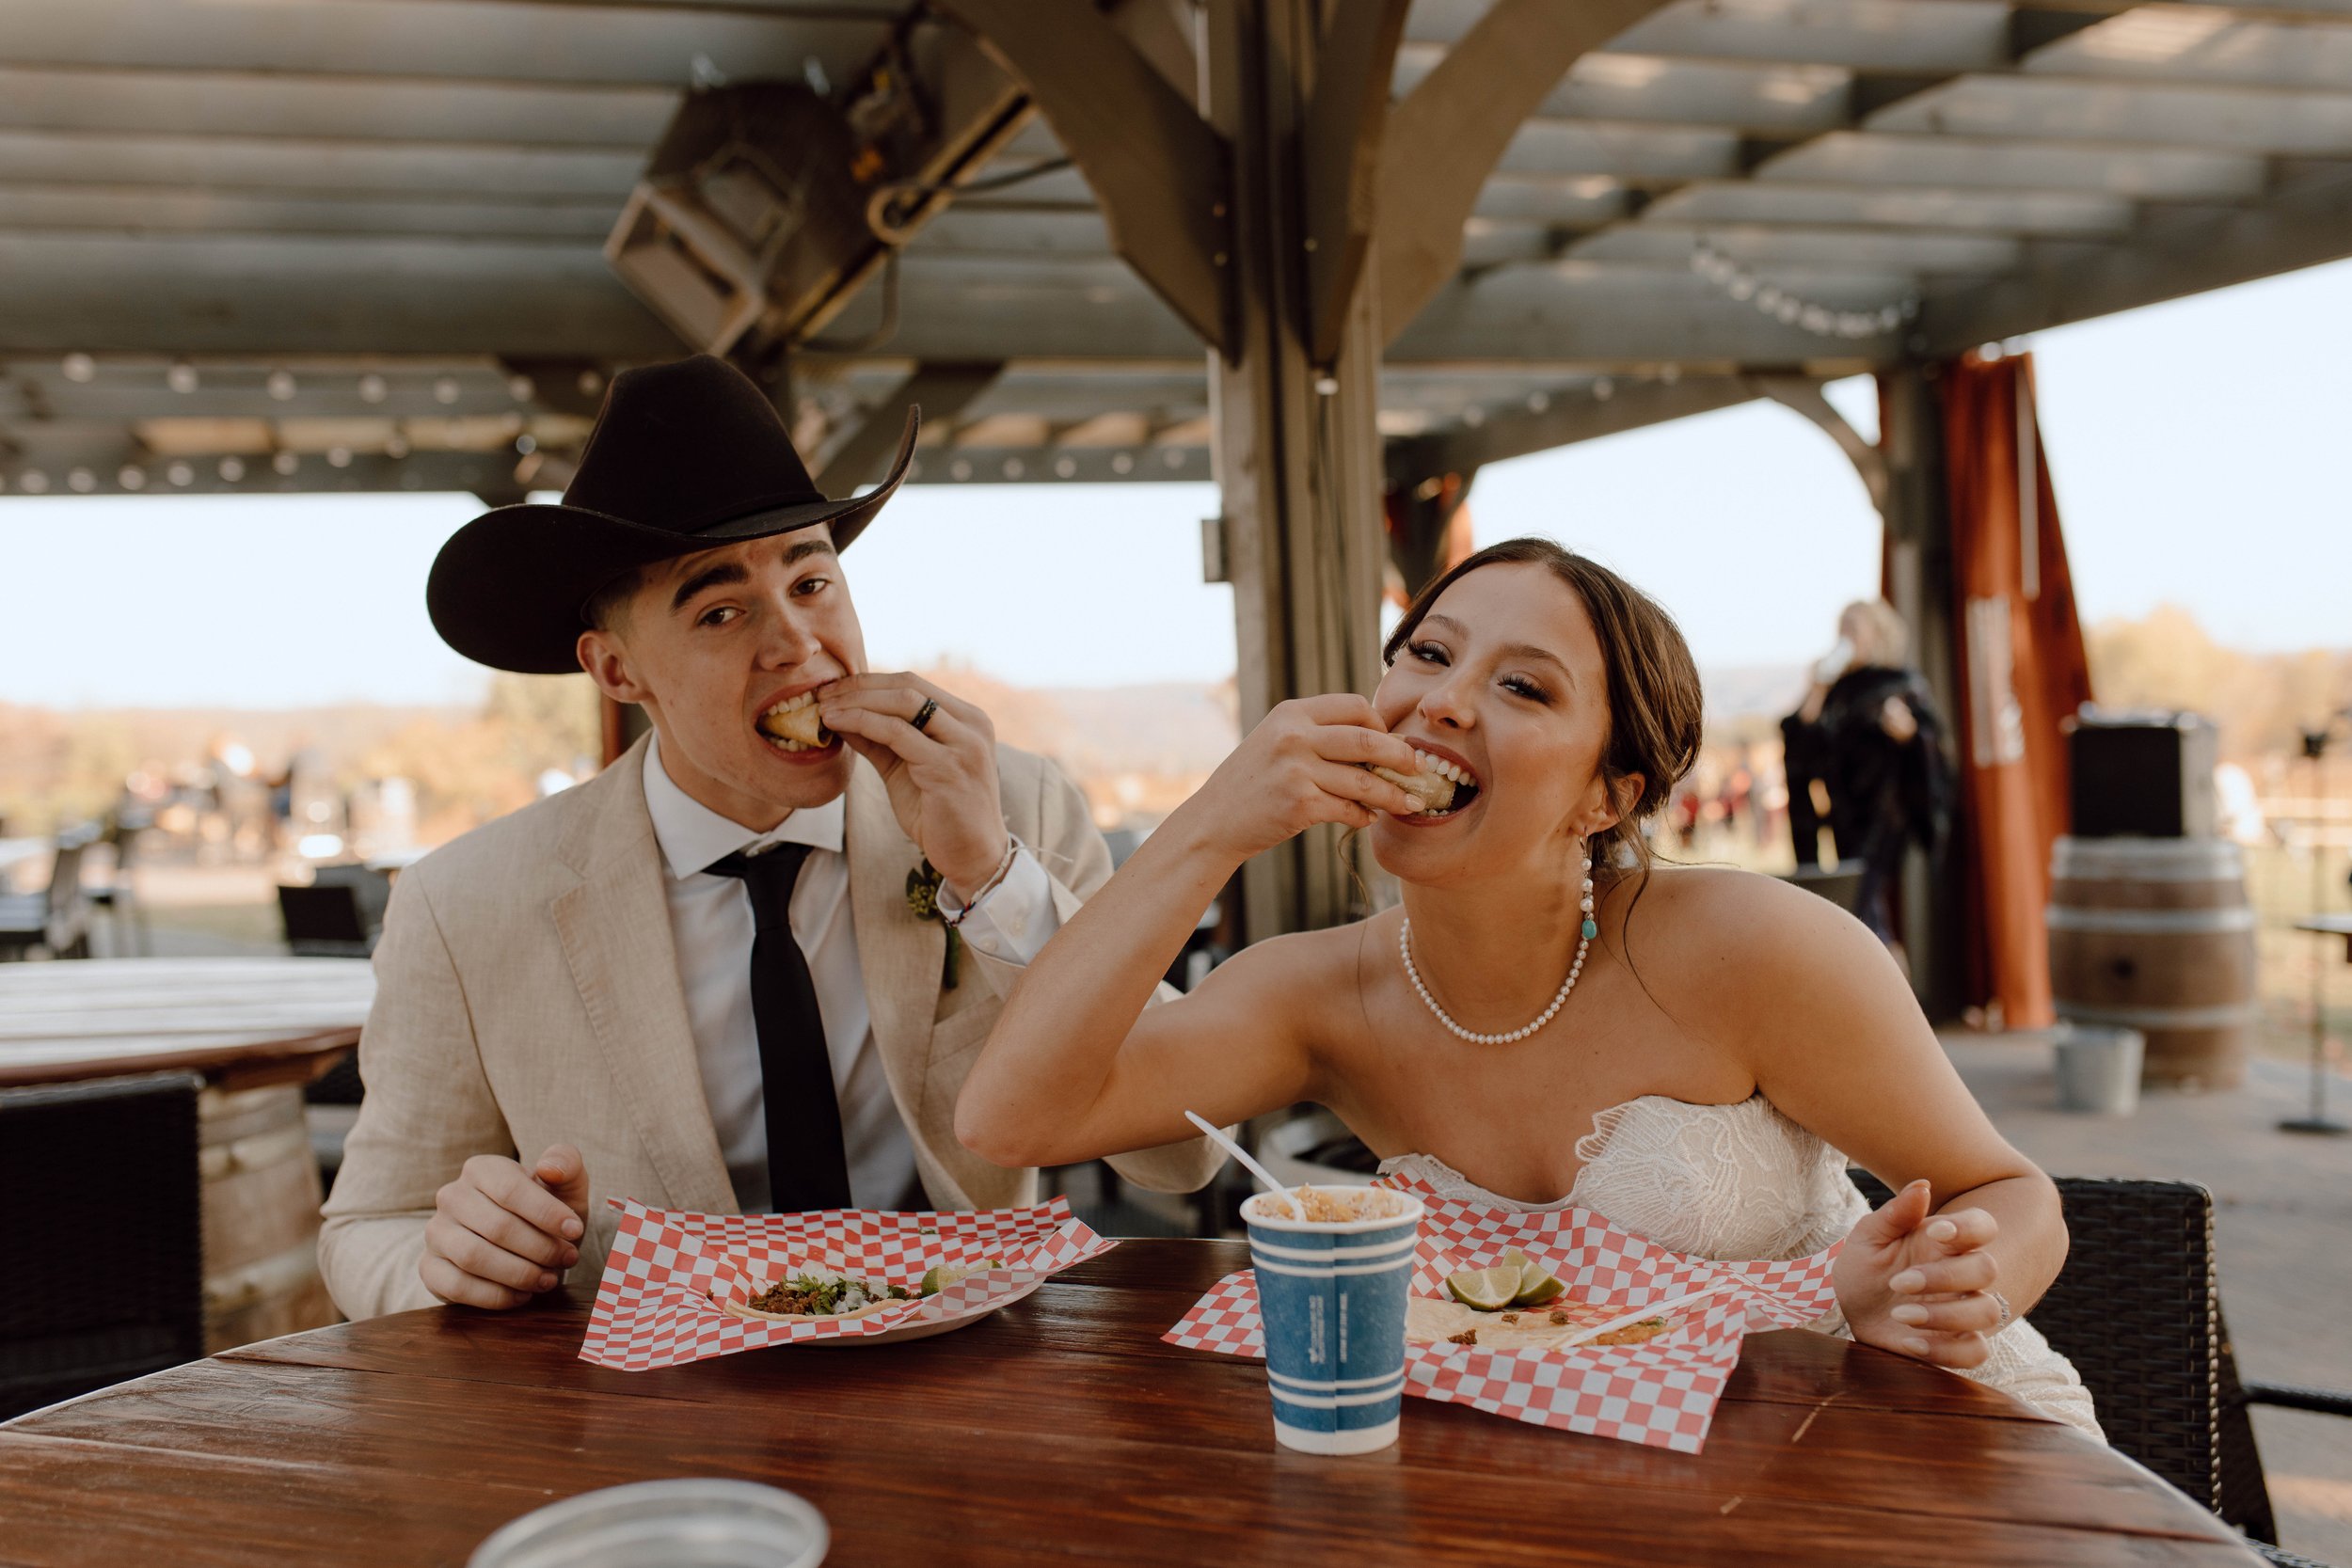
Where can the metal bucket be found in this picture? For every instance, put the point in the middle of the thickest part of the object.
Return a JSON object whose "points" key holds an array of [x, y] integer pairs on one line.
{"points": [[2098, 1068]]}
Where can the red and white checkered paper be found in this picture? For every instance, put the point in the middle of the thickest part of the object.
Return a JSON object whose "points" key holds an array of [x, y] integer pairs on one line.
{"points": [[1661, 1392], [654, 1307]]}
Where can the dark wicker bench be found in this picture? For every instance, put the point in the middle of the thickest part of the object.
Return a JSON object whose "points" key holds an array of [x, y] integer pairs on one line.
{"points": [[2138, 1312], [104, 1238]]}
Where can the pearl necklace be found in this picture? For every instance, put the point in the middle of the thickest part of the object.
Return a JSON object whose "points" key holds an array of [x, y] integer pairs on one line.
{"points": [[1576, 967]]}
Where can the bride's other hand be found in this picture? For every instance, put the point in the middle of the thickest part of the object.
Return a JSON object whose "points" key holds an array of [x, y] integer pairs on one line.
{"points": [[1303, 765], [1919, 1283]]}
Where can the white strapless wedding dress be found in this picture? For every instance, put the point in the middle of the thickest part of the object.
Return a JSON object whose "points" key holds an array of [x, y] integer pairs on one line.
{"points": [[1743, 1181]]}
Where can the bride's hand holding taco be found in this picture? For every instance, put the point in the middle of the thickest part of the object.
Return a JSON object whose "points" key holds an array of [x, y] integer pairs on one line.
{"points": [[1308, 762]]}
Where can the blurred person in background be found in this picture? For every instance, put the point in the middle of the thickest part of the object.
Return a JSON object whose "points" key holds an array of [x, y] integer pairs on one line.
{"points": [[1870, 733]]}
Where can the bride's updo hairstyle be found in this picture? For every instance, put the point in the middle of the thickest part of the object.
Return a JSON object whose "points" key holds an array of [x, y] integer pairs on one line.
{"points": [[1654, 701]]}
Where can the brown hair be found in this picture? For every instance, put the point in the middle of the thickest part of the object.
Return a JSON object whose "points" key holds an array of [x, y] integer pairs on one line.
{"points": [[605, 608], [1654, 700]]}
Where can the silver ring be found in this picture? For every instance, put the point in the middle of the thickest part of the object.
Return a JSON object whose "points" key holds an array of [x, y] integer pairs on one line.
{"points": [[923, 715], [2008, 1317]]}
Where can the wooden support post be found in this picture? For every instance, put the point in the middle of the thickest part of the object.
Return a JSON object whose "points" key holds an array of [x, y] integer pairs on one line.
{"points": [[623, 723], [1421, 513], [1919, 585], [1298, 452]]}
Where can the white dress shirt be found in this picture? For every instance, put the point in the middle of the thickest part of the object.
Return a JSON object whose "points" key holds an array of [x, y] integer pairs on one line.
{"points": [[713, 927]]}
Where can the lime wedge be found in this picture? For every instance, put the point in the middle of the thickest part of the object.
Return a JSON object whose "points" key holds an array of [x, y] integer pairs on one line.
{"points": [[1537, 1285], [946, 1275], [1487, 1290]]}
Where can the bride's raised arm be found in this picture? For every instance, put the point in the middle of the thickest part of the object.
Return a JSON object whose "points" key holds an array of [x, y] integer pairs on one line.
{"points": [[1078, 1066]]}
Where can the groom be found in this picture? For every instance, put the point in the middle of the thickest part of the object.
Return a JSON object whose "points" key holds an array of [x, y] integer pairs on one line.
{"points": [[746, 967]]}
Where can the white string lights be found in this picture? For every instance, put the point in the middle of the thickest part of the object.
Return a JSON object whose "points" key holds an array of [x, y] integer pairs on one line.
{"points": [[1793, 310], [378, 387]]}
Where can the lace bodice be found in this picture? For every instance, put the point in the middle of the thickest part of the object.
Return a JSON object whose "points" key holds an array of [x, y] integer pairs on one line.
{"points": [[1712, 1180], [1744, 1182]]}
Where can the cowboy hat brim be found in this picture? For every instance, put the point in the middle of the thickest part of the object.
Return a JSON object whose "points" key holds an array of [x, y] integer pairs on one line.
{"points": [[511, 589]]}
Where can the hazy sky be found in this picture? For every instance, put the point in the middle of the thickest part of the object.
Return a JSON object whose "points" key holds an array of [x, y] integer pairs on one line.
{"points": [[2199, 450]]}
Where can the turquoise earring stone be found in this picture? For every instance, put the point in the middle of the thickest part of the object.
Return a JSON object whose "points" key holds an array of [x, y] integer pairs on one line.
{"points": [[1591, 930]]}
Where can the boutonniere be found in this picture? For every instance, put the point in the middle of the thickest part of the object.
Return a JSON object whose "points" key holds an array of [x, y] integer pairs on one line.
{"points": [[923, 898]]}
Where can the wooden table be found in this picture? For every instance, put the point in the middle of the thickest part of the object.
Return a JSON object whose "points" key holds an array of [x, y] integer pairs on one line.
{"points": [[19, 851], [1061, 1429], [2330, 926], [241, 1021], [256, 1029]]}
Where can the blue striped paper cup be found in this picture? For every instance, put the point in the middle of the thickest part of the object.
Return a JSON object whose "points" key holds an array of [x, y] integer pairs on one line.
{"points": [[1331, 1300]]}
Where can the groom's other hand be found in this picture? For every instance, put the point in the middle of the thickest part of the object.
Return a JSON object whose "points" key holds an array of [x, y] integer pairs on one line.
{"points": [[1306, 763], [942, 776], [501, 1234]]}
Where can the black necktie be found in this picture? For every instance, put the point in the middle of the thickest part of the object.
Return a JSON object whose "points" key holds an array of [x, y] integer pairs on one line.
{"points": [[807, 1167]]}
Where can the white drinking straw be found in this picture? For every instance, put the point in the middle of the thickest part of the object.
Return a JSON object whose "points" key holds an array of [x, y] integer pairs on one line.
{"points": [[1265, 1176]]}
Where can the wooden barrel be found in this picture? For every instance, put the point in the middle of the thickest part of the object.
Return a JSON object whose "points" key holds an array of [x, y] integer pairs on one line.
{"points": [[261, 1217], [2155, 934]]}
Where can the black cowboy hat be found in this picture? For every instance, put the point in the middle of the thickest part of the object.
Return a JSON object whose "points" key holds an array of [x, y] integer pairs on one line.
{"points": [[685, 456]]}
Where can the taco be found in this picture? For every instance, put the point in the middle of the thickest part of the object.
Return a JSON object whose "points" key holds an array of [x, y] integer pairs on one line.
{"points": [[1433, 1320], [820, 1295], [794, 726]]}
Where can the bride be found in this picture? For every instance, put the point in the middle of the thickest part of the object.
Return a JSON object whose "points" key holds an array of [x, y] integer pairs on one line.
{"points": [[1722, 1041]]}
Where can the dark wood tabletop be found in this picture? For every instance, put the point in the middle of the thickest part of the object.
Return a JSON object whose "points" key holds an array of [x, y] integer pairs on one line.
{"points": [[241, 1021], [1060, 1429]]}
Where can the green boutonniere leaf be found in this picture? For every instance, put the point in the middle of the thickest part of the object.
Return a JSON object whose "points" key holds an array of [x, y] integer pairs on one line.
{"points": [[923, 884]]}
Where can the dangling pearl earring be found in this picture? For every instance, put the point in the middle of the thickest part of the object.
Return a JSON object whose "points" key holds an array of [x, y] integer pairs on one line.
{"points": [[1584, 902]]}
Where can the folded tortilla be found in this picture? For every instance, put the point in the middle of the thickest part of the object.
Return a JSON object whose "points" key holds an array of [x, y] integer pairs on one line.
{"points": [[1433, 790], [742, 1309], [801, 725], [1437, 1321]]}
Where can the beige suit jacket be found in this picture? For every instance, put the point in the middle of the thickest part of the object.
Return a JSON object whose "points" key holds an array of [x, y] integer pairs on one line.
{"points": [[528, 994]]}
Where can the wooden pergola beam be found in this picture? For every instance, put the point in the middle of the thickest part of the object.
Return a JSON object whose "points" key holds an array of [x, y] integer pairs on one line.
{"points": [[1340, 159], [1571, 416], [2180, 251], [1802, 394], [1158, 171], [1448, 136], [940, 391]]}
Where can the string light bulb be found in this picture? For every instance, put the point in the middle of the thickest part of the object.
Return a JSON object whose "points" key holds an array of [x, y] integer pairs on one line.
{"points": [[1822, 321]]}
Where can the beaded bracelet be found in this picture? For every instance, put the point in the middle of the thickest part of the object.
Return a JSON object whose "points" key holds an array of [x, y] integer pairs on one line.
{"points": [[1004, 869]]}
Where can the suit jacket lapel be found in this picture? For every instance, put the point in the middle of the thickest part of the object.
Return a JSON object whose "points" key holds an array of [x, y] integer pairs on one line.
{"points": [[899, 955], [614, 926]]}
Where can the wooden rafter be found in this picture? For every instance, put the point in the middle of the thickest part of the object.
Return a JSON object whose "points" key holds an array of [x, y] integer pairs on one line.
{"points": [[1340, 159], [940, 391], [1448, 135], [1802, 394], [1158, 170]]}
